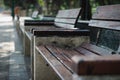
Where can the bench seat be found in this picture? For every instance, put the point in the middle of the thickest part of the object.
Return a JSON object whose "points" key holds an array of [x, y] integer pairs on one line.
{"points": [[51, 61], [94, 56], [63, 65]]}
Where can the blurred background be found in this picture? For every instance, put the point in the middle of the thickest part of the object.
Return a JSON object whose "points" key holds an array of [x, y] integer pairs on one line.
{"points": [[51, 7]]}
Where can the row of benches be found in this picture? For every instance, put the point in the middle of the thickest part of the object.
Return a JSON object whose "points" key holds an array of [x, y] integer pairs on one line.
{"points": [[99, 56]]}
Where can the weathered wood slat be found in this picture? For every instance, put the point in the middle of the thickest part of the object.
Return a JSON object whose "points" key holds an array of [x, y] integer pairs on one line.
{"points": [[38, 22], [94, 65], [67, 18], [60, 32], [114, 25], [64, 25], [62, 72], [70, 13], [85, 52], [63, 20], [70, 52], [108, 12], [66, 61], [95, 49]]}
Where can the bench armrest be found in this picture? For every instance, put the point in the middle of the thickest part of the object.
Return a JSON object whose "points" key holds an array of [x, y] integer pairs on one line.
{"points": [[96, 65], [59, 32]]}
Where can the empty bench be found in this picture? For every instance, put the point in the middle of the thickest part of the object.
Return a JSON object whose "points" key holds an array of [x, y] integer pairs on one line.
{"points": [[105, 26], [98, 57], [64, 19]]}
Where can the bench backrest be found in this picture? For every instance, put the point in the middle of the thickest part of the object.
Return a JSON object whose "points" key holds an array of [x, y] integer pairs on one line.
{"points": [[67, 18], [35, 14], [105, 25]]}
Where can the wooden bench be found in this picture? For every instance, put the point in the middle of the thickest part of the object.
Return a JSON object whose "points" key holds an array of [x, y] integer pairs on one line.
{"points": [[106, 21], [64, 19], [65, 23], [95, 58]]}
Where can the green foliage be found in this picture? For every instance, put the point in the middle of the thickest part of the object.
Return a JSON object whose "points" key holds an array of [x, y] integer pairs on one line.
{"points": [[51, 7], [41, 2], [21, 3], [107, 2]]}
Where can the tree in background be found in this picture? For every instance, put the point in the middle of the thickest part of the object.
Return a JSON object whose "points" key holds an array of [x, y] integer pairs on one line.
{"points": [[107, 2], [51, 7], [86, 9], [24, 4]]}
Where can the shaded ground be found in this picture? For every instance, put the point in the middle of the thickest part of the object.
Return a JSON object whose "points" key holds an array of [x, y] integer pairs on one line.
{"points": [[5, 42], [12, 64], [4, 66]]}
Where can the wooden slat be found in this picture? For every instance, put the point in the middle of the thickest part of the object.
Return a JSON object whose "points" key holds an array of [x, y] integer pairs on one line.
{"points": [[64, 20], [60, 70], [95, 49], [114, 25], [108, 12], [96, 65], [59, 32], [70, 13], [70, 52], [65, 60], [67, 18], [38, 22], [64, 25], [85, 52]]}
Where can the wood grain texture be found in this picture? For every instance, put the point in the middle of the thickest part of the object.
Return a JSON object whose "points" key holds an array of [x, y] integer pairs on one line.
{"points": [[108, 12], [96, 65], [113, 25], [70, 13]]}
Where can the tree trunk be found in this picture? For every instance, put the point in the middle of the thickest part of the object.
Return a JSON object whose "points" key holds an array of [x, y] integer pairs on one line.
{"points": [[86, 9]]}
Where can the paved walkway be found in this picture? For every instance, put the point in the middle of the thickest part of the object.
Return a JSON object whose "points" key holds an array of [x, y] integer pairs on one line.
{"points": [[12, 63]]}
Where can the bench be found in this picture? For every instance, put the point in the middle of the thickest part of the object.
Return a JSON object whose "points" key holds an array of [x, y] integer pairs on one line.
{"points": [[60, 20], [98, 57], [63, 19], [106, 21]]}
